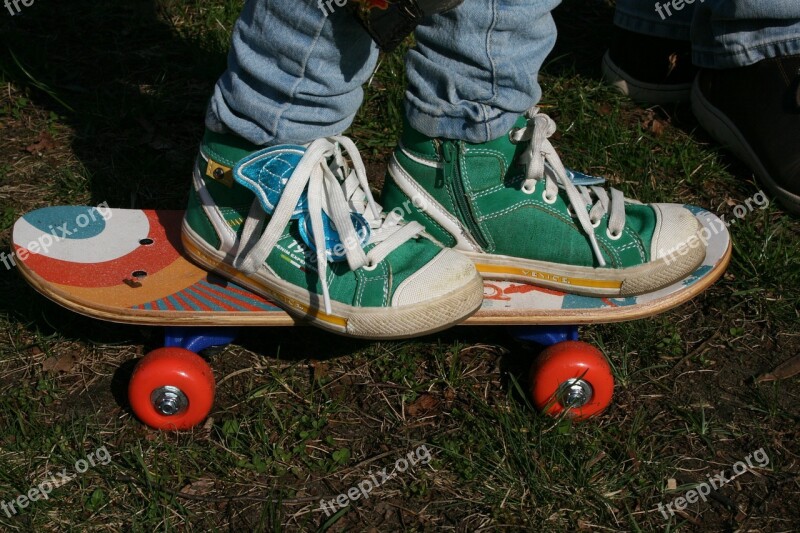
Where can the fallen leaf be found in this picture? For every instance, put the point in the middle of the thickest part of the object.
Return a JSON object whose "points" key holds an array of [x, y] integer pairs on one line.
{"points": [[65, 363], [673, 62], [59, 364], [44, 143], [657, 127], [424, 403], [201, 486], [450, 394], [785, 370]]}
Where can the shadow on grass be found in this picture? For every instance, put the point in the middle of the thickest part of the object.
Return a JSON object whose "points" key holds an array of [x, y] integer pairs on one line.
{"points": [[131, 87], [585, 30]]}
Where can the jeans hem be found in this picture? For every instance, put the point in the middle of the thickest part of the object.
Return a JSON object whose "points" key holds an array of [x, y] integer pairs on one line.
{"points": [[716, 59], [668, 29], [459, 128]]}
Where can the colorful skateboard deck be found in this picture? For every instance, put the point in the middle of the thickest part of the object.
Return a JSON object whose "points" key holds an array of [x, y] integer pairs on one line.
{"points": [[127, 265]]}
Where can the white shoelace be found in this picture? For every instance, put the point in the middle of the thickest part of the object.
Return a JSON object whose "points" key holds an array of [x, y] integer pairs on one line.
{"points": [[338, 190], [589, 204]]}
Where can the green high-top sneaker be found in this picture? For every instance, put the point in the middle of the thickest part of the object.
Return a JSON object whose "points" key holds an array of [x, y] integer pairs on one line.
{"points": [[298, 225], [512, 207]]}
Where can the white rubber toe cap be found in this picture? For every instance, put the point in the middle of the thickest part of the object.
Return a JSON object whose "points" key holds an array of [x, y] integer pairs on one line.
{"points": [[676, 229], [447, 272]]}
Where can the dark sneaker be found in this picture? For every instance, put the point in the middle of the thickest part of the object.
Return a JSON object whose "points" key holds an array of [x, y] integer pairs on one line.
{"points": [[511, 206], [651, 70], [298, 224], [755, 112]]}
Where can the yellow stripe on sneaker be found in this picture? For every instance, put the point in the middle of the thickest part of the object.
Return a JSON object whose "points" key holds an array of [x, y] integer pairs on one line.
{"points": [[547, 276], [235, 275]]}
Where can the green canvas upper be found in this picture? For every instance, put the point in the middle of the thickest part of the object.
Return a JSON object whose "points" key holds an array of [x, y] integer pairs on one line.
{"points": [[292, 259], [481, 185]]}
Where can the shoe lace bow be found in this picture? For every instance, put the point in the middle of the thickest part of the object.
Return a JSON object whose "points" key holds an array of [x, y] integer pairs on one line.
{"points": [[586, 203], [337, 189]]}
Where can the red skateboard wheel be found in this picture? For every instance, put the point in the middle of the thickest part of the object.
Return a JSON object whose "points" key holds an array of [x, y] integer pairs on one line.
{"points": [[574, 375], [171, 389]]}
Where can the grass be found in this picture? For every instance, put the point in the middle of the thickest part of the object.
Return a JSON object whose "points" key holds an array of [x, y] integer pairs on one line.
{"points": [[121, 91]]}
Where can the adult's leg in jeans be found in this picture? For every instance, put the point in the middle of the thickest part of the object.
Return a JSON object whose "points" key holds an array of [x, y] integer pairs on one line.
{"points": [[737, 33], [650, 56], [474, 69], [724, 33], [294, 73], [658, 19], [747, 96]]}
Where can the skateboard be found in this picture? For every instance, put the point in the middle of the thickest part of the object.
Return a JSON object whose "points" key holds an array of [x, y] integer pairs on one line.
{"points": [[127, 266]]}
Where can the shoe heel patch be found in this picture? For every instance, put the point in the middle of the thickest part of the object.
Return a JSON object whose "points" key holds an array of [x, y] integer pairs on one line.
{"points": [[219, 173]]}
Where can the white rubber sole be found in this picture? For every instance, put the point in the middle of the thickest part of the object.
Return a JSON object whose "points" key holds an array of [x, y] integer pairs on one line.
{"points": [[591, 281], [397, 322], [726, 133], [640, 91]]}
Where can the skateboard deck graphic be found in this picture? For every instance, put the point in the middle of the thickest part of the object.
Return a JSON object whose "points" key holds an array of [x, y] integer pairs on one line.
{"points": [[127, 265]]}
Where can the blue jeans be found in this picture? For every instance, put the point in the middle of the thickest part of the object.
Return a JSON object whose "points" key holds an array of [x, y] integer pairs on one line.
{"points": [[295, 72], [723, 33]]}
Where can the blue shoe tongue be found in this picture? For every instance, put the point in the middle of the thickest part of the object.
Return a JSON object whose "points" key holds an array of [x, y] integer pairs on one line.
{"points": [[266, 172], [584, 180], [578, 178]]}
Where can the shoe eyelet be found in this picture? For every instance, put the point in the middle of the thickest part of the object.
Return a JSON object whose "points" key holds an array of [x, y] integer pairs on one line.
{"points": [[527, 190], [596, 223], [612, 236], [548, 200], [370, 268]]}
